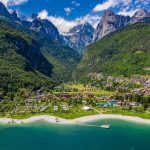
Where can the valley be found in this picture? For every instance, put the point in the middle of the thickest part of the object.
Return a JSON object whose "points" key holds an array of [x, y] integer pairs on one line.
{"points": [[83, 72]]}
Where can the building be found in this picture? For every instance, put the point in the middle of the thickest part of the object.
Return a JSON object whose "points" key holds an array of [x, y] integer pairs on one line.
{"points": [[86, 108]]}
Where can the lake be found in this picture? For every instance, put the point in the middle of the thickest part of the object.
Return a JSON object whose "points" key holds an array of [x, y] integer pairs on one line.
{"points": [[122, 135]]}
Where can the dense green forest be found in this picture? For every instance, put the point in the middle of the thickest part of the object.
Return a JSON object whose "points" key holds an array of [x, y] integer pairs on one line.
{"points": [[124, 52]]}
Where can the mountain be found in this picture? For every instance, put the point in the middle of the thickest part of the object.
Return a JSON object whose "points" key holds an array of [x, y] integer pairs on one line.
{"points": [[123, 52], [4, 11], [22, 64], [84, 34], [79, 36], [14, 16], [45, 27], [140, 15], [110, 22], [30, 60], [39, 25]]}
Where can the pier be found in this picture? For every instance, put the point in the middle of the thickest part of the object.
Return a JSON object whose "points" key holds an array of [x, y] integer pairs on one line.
{"points": [[96, 126]]}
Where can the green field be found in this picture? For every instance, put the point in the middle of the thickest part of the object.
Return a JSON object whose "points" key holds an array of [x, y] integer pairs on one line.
{"points": [[93, 90], [78, 112]]}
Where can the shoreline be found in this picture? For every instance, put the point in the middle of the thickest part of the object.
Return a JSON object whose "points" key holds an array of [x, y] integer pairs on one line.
{"points": [[52, 119]]}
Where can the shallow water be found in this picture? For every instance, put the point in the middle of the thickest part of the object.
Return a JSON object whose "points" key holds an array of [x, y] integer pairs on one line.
{"points": [[122, 135]]}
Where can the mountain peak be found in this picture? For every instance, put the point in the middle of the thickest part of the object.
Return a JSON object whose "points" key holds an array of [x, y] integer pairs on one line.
{"points": [[141, 13], [2, 5], [109, 12], [110, 22], [46, 27], [34, 16], [79, 36], [14, 15], [87, 24], [80, 27], [3, 10]]}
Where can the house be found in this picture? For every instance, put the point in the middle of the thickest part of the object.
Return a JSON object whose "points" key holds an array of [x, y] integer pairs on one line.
{"points": [[86, 108], [65, 107], [55, 108], [133, 104]]}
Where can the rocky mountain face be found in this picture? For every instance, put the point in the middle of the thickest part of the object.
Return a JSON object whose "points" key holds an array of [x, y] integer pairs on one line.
{"points": [[4, 11], [39, 25], [40, 53], [45, 27], [110, 22], [32, 59], [31, 52], [82, 35], [79, 36], [140, 15]]}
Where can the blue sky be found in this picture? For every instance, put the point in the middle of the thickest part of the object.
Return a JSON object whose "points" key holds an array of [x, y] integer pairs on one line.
{"points": [[59, 7], [67, 13]]}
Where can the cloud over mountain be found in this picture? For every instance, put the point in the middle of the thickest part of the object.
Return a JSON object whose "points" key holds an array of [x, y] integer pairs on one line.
{"points": [[65, 25]]}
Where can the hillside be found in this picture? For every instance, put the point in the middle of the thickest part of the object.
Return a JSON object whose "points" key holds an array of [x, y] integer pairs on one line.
{"points": [[124, 52], [22, 65], [29, 61]]}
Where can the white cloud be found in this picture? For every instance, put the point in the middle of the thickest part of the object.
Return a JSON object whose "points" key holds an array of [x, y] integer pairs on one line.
{"points": [[68, 10], [110, 4], [13, 2], [135, 6], [124, 7], [43, 14], [106, 5], [64, 25], [76, 3], [127, 13], [92, 19]]}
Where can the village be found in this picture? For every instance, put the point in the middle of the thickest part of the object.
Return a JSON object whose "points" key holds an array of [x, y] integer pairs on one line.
{"points": [[101, 94], [71, 99], [136, 84]]}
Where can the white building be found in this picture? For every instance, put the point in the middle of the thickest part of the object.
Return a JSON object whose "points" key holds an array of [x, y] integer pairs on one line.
{"points": [[87, 108]]}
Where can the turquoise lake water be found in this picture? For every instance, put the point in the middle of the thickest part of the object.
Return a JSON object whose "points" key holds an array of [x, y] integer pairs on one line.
{"points": [[123, 135]]}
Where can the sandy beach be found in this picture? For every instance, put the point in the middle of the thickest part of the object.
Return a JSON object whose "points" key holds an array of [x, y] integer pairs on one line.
{"points": [[52, 119]]}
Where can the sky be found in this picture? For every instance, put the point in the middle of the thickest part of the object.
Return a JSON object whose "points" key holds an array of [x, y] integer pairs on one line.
{"points": [[66, 14]]}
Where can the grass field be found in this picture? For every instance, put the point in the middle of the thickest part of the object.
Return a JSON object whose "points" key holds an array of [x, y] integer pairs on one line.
{"points": [[93, 90]]}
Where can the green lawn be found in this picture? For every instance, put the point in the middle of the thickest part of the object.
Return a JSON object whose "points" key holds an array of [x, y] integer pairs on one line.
{"points": [[78, 112], [81, 88]]}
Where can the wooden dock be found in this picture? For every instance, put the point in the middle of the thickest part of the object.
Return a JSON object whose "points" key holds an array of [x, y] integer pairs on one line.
{"points": [[96, 126]]}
